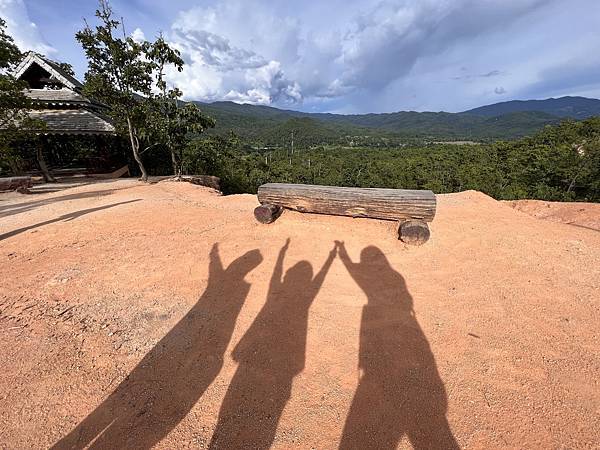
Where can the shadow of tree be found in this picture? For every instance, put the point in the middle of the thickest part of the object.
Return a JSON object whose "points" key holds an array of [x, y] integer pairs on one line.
{"points": [[18, 208], [270, 355], [161, 390], [64, 217], [400, 391]]}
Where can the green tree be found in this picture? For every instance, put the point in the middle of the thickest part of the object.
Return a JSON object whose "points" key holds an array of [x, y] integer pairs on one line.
{"points": [[169, 122], [13, 102], [15, 123], [119, 75]]}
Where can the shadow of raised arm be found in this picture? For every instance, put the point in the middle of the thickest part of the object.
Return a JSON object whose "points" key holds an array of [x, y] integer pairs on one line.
{"points": [[215, 266], [352, 267], [278, 270], [320, 277]]}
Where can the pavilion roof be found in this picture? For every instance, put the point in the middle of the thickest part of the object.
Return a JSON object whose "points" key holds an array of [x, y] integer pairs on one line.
{"points": [[72, 121], [58, 99]]}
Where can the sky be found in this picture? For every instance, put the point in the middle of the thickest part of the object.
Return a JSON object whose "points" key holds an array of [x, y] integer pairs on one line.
{"points": [[347, 56]]}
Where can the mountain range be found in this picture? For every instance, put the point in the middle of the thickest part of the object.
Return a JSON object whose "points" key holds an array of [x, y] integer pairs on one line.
{"points": [[573, 107], [266, 125]]}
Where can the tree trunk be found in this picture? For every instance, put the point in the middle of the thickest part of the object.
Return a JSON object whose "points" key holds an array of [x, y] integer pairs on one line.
{"points": [[48, 178], [176, 167], [388, 204], [572, 184], [135, 147], [14, 167]]}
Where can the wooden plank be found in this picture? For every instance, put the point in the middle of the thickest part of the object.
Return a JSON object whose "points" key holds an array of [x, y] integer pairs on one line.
{"points": [[388, 204], [116, 174]]}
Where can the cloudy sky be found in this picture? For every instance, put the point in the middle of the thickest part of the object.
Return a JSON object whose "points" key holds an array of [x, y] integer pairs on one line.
{"points": [[349, 56]]}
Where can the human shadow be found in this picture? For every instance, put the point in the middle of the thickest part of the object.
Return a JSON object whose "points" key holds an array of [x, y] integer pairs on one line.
{"points": [[65, 217], [161, 390], [400, 391], [270, 354]]}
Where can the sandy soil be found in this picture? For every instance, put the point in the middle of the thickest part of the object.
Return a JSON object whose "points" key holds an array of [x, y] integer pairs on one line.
{"points": [[586, 215], [137, 315]]}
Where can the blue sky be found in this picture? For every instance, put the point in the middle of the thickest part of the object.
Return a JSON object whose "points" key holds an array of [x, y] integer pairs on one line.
{"points": [[351, 56]]}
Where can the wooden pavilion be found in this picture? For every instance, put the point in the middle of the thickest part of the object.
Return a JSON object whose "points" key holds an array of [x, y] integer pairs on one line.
{"points": [[59, 102]]}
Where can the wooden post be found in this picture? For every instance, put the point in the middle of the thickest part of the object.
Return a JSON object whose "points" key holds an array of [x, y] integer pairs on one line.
{"points": [[413, 232], [267, 213]]}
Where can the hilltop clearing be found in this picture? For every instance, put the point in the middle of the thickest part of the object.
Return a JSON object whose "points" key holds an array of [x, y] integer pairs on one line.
{"points": [[135, 314]]}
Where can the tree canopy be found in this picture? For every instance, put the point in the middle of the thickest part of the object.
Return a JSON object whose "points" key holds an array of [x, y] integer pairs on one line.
{"points": [[125, 74]]}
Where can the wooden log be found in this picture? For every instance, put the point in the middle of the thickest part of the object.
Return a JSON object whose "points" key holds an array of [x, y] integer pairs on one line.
{"points": [[413, 232], [15, 183], [267, 213], [388, 204], [201, 180]]}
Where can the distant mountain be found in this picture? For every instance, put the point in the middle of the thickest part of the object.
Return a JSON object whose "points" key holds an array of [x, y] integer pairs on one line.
{"points": [[265, 125], [573, 107]]}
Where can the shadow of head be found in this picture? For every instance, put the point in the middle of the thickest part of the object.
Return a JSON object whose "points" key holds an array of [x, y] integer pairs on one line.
{"points": [[372, 256], [300, 272], [245, 263], [384, 285]]}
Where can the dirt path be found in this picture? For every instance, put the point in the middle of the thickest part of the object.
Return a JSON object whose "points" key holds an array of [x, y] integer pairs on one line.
{"points": [[135, 315]]}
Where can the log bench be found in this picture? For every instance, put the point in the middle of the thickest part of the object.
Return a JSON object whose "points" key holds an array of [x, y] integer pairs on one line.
{"points": [[411, 208]]}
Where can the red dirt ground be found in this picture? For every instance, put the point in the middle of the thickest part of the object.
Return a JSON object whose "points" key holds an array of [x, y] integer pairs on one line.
{"points": [[134, 315], [586, 215]]}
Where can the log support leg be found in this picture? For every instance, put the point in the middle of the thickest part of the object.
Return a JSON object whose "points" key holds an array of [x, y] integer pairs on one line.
{"points": [[413, 232], [267, 213]]}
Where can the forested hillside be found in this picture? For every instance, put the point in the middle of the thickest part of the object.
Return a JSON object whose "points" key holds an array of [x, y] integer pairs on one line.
{"points": [[573, 107], [268, 126], [558, 163]]}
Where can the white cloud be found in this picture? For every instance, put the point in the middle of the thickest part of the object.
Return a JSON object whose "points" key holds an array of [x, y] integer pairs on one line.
{"points": [[218, 69], [370, 55], [138, 35], [22, 29]]}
